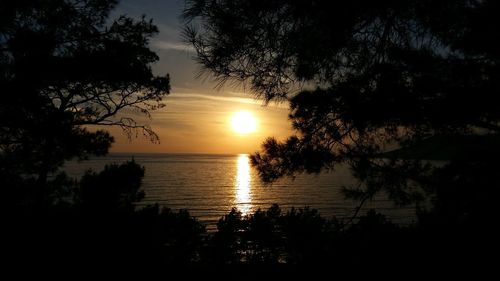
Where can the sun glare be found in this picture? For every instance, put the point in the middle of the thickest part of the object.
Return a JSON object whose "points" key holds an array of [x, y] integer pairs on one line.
{"points": [[243, 122]]}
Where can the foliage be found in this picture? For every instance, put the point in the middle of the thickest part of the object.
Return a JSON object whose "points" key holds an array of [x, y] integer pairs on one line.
{"points": [[361, 77], [269, 237], [173, 237], [114, 188], [99, 225], [65, 65]]}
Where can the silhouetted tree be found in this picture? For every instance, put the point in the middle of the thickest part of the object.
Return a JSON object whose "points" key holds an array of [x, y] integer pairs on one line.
{"points": [[362, 77], [66, 65], [116, 188], [227, 245], [100, 226], [303, 240]]}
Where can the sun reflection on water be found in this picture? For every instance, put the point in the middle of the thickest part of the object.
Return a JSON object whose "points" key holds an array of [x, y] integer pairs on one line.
{"points": [[242, 185]]}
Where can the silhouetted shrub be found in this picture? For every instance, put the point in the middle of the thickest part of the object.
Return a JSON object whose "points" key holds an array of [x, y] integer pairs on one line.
{"points": [[115, 188], [306, 234], [174, 237], [225, 246], [299, 236], [263, 236]]}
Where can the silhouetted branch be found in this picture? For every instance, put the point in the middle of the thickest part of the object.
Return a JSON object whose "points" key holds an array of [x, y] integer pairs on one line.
{"points": [[356, 210]]}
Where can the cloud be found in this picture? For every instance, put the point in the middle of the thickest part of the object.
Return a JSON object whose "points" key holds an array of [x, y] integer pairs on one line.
{"points": [[232, 99], [214, 97], [168, 45]]}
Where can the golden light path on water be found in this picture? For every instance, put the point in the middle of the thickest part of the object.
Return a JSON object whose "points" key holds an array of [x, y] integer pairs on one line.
{"points": [[242, 185]]}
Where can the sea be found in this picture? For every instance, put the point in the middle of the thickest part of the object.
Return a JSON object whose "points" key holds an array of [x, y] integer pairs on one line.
{"points": [[210, 185]]}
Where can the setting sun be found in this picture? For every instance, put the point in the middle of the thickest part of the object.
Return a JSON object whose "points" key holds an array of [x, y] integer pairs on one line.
{"points": [[243, 122]]}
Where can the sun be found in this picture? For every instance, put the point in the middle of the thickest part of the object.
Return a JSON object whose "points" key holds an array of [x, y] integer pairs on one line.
{"points": [[243, 122]]}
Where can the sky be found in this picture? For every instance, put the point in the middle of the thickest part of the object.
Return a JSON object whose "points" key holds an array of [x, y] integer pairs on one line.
{"points": [[197, 116]]}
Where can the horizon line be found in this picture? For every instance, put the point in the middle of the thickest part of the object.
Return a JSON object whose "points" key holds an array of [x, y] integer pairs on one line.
{"points": [[174, 152]]}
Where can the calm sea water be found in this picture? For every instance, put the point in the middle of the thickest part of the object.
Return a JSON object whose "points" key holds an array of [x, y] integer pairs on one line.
{"points": [[210, 185]]}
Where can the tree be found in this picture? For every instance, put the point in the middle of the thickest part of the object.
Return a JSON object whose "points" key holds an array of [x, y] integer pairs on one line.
{"points": [[361, 77], [65, 66]]}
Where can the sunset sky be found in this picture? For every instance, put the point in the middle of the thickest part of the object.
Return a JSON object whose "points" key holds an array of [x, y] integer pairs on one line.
{"points": [[197, 116]]}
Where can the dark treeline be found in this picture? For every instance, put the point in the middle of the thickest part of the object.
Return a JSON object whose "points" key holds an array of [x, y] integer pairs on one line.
{"points": [[95, 224]]}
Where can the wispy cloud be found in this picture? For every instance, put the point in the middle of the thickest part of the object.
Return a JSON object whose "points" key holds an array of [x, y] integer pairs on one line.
{"points": [[168, 45], [231, 99]]}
